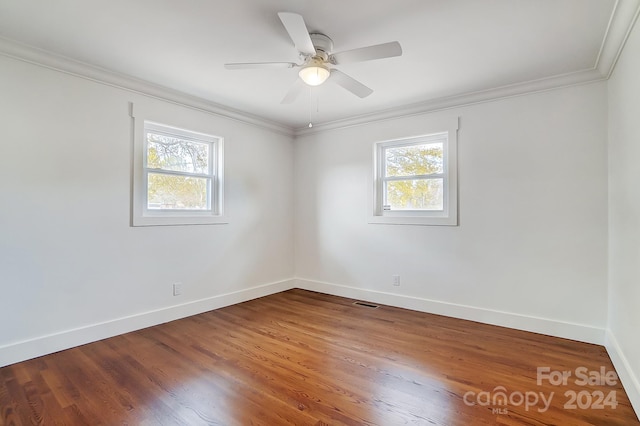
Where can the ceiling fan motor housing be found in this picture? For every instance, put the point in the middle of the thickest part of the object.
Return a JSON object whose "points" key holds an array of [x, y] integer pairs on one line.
{"points": [[322, 44]]}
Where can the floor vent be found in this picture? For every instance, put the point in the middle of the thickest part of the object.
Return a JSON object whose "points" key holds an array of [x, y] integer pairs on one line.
{"points": [[366, 305]]}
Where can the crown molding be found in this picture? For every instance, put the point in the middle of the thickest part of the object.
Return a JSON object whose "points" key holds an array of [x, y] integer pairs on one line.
{"points": [[622, 20], [458, 101], [39, 57]]}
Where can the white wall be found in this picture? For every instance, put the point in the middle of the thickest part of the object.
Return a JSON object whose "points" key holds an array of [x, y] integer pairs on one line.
{"points": [[531, 248], [624, 217], [71, 268]]}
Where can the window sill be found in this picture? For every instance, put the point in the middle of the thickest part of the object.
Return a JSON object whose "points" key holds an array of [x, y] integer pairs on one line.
{"points": [[178, 220], [414, 220]]}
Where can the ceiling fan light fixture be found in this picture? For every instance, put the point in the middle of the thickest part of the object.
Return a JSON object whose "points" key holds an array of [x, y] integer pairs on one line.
{"points": [[314, 75]]}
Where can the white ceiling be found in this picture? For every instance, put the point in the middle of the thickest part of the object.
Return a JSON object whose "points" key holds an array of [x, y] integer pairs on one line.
{"points": [[450, 47]]}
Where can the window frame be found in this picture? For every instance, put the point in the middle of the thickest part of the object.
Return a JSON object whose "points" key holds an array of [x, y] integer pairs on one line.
{"points": [[445, 133], [141, 214]]}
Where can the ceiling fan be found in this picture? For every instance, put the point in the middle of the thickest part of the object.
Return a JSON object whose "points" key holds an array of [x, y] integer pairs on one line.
{"points": [[318, 58]]}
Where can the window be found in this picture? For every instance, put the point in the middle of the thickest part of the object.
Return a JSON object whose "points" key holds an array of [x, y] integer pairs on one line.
{"points": [[177, 176], [179, 167], [415, 180]]}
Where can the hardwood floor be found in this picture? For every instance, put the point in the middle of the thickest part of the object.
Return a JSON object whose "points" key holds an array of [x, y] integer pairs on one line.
{"points": [[304, 358]]}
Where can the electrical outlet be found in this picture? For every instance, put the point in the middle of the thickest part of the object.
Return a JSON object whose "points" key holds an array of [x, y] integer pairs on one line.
{"points": [[177, 289], [396, 280]]}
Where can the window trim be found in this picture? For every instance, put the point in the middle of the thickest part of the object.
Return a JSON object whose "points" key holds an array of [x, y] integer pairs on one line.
{"points": [[140, 214], [449, 215]]}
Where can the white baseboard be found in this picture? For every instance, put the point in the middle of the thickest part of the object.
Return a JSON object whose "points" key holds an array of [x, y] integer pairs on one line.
{"points": [[629, 379], [579, 332], [27, 349]]}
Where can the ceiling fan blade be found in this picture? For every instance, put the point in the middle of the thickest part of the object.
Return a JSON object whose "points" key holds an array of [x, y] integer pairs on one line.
{"points": [[251, 65], [297, 29], [294, 92], [378, 51], [352, 85]]}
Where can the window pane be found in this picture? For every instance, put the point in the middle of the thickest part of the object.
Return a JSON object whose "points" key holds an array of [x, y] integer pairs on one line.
{"points": [[414, 194], [170, 153], [177, 192], [414, 160]]}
